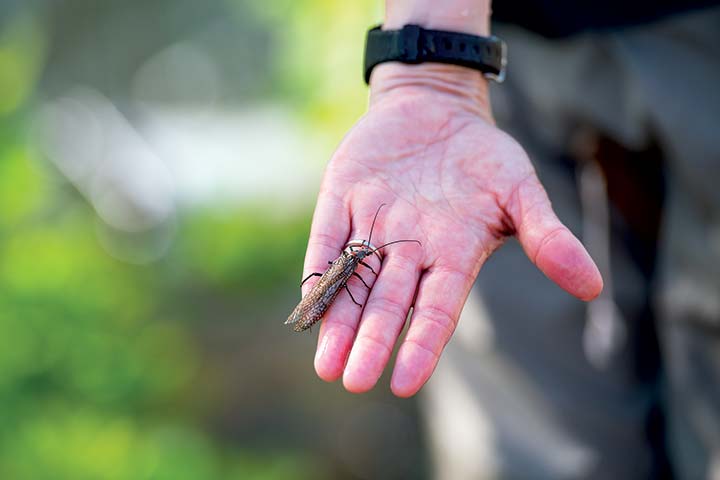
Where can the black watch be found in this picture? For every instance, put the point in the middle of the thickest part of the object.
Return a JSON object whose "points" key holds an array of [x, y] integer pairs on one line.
{"points": [[414, 44]]}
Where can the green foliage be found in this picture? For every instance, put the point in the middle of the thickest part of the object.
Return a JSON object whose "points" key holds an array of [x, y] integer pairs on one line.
{"points": [[98, 358], [248, 250], [21, 183], [319, 56], [63, 443], [21, 52], [96, 371]]}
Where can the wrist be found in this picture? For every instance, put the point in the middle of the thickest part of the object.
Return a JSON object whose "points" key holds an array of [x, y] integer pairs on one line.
{"points": [[452, 84]]}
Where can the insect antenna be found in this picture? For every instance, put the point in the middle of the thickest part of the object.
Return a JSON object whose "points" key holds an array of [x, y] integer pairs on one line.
{"points": [[396, 241], [373, 223]]}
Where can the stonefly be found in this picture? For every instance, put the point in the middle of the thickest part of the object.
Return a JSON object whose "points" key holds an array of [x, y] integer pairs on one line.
{"points": [[314, 305]]}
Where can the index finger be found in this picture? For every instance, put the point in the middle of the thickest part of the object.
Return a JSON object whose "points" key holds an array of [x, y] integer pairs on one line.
{"points": [[328, 234]]}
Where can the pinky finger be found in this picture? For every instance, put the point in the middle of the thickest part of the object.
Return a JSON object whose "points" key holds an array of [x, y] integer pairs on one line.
{"points": [[440, 300]]}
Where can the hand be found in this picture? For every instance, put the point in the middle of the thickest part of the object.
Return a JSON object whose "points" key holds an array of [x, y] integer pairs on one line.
{"points": [[429, 150]]}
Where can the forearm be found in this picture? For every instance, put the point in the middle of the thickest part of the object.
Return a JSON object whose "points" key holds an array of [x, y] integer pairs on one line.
{"points": [[468, 16], [459, 83]]}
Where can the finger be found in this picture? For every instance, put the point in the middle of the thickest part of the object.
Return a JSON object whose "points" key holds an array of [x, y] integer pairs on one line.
{"points": [[328, 234], [440, 299], [337, 332], [383, 318], [339, 326], [549, 244]]}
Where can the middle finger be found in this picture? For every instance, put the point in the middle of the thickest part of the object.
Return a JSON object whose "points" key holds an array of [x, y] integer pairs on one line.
{"points": [[383, 318]]}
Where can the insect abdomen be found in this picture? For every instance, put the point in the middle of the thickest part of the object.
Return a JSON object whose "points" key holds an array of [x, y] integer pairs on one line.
{"points": [[314, 305]]}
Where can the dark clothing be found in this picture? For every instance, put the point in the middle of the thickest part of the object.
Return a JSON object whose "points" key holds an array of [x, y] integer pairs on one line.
{"points": [[560, 18], [536, 384]]}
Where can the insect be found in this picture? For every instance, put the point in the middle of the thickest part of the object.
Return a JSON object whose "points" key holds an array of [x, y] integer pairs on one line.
{"points": [[314, 305]]}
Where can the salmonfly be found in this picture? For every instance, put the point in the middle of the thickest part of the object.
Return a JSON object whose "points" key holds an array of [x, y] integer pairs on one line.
{"points": [[314, 305]]}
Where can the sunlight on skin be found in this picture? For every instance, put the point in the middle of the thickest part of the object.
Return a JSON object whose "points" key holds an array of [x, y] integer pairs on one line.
{"points": [[451, 180]]}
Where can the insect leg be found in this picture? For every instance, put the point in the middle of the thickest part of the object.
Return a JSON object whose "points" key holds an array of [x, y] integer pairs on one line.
{"points": [[362, 262], [355, 274], [352, 298], [316, 274]]}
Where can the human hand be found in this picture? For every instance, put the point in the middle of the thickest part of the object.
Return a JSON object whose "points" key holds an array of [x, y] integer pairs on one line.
{"points": [[428, 149]]}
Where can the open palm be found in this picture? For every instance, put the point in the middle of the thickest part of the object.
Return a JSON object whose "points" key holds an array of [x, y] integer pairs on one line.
{"points": [[453, 181]]}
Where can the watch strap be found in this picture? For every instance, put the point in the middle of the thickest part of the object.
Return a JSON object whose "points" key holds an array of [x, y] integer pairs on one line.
{"points": [[413, 44]]}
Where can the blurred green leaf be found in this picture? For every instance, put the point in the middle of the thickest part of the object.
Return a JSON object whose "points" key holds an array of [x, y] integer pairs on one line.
{"points": [[100, 361], [21, 55]]}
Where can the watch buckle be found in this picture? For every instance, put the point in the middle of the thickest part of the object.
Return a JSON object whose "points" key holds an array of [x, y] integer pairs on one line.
{"points": [[500, 76]]}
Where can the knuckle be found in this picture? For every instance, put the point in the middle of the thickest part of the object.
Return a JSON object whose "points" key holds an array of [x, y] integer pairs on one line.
{"points": [[547, 238], [350, 330], [452, 272], [422, 346], [323, 240], [403, 264], [376, 343], [440, 318], [389, 307]]}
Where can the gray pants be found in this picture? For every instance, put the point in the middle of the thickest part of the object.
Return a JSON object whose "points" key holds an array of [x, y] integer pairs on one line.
{"points": [[516, 394]]}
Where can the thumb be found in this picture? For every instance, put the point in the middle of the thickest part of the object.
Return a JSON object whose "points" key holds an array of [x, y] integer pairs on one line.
{"points": [[549, 244]]}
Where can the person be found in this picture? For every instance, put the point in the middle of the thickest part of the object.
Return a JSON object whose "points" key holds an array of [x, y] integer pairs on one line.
{"points": [[537, 384]]}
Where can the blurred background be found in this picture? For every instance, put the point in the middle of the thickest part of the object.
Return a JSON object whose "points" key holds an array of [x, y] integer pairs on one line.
{"points": [[159, 163]]}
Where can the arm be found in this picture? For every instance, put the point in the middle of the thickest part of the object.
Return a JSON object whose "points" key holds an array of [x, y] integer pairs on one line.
{"points": [[429, 149]]}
